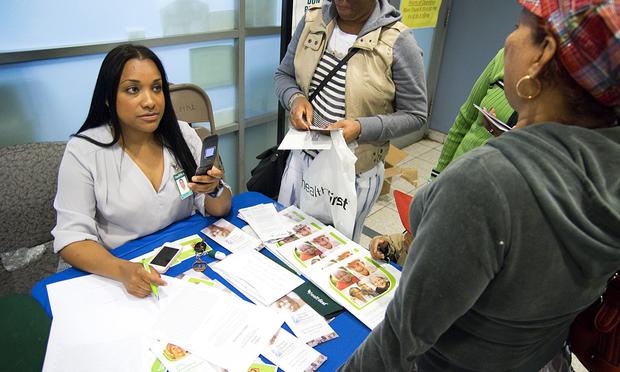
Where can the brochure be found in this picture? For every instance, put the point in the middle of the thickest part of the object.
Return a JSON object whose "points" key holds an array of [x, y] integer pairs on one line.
{"points": [[231, 237], [216, 326], [177, 359], [342, 269], [290, 354], [308, 325], [301, 225], [493, 120], [260, 366], [318, 300]]}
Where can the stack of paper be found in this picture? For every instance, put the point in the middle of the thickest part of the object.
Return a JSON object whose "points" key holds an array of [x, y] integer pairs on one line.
{"points": [[256, 276], [98, 326], [217, 327], [290, 354], [307, 325], [177, 359], [300, 225], [231, 237], [266, 222]]}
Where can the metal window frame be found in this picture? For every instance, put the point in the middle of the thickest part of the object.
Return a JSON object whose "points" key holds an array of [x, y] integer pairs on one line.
{"points": [[238, 35]]}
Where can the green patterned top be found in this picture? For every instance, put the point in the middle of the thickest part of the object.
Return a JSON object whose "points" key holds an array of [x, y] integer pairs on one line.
{"points": [[468, 132]]}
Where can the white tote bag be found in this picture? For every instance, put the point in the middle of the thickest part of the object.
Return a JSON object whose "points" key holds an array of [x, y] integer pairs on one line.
{"points": [[328, 186]]}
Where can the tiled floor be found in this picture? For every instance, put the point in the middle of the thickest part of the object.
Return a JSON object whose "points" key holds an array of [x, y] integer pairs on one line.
{"points": [[383, 218]]}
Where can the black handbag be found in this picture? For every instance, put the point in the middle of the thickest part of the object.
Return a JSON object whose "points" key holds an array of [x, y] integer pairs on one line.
{"points": [[266, 177]]}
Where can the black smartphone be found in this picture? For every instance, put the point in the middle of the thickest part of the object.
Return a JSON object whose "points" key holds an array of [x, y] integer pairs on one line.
{"points": [[208, 155]]}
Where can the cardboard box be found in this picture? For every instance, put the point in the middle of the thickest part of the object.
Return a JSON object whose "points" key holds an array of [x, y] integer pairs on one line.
{"points": [[393, 157]]}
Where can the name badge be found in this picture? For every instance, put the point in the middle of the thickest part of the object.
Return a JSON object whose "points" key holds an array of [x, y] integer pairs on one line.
{"points": [[182, 184]]}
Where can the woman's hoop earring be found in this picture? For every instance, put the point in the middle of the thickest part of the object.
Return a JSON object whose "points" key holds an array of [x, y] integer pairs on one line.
{"points": [[535, 81]]}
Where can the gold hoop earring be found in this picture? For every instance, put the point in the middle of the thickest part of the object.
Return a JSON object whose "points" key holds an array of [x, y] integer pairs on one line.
{"points": [[533, 80]]}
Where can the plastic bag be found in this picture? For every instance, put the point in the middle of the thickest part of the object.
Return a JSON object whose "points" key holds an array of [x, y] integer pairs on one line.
{"points": [[328, 186]]}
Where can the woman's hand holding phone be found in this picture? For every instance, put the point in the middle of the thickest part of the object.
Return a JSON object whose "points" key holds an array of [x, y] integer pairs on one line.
{"points": [[206, 183]]}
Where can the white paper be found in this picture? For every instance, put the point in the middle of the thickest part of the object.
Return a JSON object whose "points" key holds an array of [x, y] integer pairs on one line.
{"points": [[307, 325], [79, 295], [290, 354], [325, 131], [248, 230], [231, 237], [266, 222], [305, 140], [98, 326], [301, 225], [65, 354], [257, 276], [494, 120], [177, 359], [196, 277], [217, 327]]}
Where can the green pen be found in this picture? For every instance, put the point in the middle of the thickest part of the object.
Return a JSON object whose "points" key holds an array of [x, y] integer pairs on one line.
{"points": [[154, 289]]}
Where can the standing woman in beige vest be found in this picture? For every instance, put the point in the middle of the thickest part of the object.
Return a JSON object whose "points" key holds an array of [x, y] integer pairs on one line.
{"points": [[377, 95]]}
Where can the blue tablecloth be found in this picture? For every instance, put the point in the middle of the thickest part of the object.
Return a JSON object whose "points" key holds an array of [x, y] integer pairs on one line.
{"points": [[351, 332]]}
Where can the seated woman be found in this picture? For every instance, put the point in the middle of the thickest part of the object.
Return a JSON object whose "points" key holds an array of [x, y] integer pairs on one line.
{"points": [[118, 179], [518, 236]]}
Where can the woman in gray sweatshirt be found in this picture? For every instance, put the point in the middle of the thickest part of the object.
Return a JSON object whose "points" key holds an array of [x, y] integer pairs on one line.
{"points": [[520, 235]]}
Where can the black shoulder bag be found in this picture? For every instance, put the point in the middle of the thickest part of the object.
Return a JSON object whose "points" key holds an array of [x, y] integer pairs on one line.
{"points": [[266, 177]]}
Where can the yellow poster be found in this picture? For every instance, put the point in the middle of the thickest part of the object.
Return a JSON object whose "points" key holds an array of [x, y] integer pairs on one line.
{"points": [[420, 13]]}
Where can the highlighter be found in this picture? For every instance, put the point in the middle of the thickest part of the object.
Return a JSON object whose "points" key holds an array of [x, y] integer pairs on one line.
{"points": [[154, 289], [215, 254]]}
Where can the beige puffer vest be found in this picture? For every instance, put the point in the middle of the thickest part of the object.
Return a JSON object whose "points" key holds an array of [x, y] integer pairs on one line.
{"points": [[369, 88]]}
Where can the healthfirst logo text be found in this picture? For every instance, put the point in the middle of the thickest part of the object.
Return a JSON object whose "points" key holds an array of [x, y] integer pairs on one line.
{"points": [[316, 192], [317, 298]]}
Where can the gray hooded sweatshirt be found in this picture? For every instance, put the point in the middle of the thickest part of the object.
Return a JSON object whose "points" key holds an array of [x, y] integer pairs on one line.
{"points": [[407, 72], [512, 241]]}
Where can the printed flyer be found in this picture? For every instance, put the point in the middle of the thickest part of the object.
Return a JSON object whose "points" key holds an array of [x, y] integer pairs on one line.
{"points": [[231, 237], [177, 359], [341, 268]]}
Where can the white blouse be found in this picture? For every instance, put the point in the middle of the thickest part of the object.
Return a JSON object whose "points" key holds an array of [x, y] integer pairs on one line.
{"points": [[104, 196]]}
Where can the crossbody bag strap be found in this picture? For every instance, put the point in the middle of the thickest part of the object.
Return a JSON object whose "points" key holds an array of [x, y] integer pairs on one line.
{"points": [[352, 51]]}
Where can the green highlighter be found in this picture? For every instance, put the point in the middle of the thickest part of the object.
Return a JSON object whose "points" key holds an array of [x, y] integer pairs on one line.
{"points": [[154, 288]]}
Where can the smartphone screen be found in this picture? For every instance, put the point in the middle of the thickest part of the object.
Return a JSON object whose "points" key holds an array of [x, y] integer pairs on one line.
{"points": [[164, 256]]}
